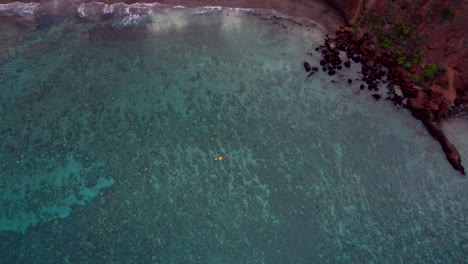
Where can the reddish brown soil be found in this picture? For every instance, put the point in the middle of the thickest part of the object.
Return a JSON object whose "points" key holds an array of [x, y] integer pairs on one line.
{"points": [[443, 43]]}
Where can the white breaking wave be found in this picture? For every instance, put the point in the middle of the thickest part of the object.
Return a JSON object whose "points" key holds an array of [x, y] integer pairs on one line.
{"points": [[21, 9], [213, 7], [108, 9], [81, 10], [96, 8], [133, 14], [130, 19]]}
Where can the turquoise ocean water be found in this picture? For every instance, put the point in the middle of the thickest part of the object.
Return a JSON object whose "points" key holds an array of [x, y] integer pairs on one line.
{"points": [[110, 129]]}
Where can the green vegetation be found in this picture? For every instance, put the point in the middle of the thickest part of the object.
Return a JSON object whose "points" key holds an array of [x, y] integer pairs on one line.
{"points": [[407, 60], [358, 22], [401, 60], [417, 78], [403, 42], [375, 21], [429, 72], [447, 13], [402, 29], [386, 43], [395, 39], [416, 58]]}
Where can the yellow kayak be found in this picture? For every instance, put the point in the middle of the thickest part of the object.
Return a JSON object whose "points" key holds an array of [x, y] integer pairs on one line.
{"points": [[223, 157]]}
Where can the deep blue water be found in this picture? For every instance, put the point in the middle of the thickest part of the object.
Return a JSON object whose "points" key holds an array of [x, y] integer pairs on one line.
{"points": [[110, 131]]}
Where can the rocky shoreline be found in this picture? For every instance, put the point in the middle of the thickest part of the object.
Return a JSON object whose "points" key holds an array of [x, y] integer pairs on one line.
{"points": [[423, 46], [439, 26], [381, 67]]}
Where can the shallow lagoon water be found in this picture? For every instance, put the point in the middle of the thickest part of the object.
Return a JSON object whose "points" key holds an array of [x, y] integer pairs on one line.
{"points": [[110, 134]]}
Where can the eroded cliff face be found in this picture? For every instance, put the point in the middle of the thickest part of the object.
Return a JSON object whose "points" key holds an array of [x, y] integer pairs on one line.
{"points": [[350, 10]]}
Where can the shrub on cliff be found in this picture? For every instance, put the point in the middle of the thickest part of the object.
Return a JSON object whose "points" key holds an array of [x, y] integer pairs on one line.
{"points": [[386, 43], [429, 72], [447, 13], [402, 29]]}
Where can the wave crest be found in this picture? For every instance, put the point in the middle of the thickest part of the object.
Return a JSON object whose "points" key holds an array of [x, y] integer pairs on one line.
{"points": [[83, 10], [18, 8], [129, 14]]}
